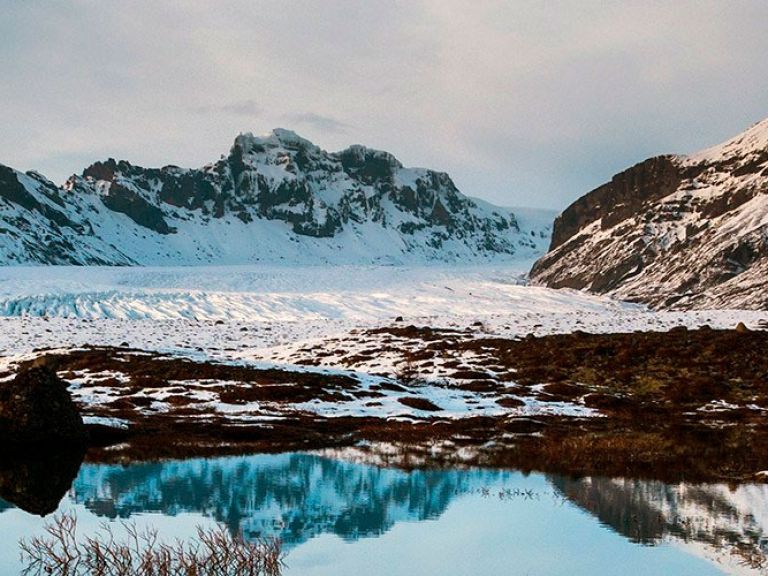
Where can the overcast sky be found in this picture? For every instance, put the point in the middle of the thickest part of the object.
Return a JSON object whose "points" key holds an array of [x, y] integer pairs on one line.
{"points": [[522, 102]]}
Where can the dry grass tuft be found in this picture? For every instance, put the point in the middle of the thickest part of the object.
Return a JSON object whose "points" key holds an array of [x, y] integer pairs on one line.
{"points": [[215, 552]]}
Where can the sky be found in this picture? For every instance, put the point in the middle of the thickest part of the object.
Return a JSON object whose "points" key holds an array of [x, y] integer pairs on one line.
{"points": [[522, 102]]}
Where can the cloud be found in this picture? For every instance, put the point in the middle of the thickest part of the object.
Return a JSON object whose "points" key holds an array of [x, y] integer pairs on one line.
{"points": [[522, 102], [244, 108], [319, 122]]}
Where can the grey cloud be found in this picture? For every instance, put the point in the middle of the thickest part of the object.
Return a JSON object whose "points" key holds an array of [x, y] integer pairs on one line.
{"points": [[318, 121], [245, 108], [521, 101]]}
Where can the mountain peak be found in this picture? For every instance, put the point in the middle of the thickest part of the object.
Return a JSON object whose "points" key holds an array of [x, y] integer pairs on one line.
{"points": [[274, 198], [278, 137]]}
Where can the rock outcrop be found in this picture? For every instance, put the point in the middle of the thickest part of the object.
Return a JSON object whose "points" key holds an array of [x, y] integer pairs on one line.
{"points": [[37, 410], [672, 232]]}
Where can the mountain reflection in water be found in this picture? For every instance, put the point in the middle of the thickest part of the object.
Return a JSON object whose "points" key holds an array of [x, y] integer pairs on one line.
{"points": [[297, 497], [290, 496], [729, 521]]}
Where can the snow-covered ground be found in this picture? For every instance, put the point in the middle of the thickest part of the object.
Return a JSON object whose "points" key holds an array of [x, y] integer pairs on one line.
{"points": [[289, 316], [266, 293], [241, 311]]}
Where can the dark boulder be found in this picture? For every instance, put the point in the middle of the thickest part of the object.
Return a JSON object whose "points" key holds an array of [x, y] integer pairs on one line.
{"points": [[741, 328], [36, 409]]}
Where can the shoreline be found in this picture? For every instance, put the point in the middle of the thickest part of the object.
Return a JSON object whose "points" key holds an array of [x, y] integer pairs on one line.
{"points": [[683, 404]]}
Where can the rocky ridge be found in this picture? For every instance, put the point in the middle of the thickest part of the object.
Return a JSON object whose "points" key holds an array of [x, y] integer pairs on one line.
{"points": [[272, 198], [673, 231]]}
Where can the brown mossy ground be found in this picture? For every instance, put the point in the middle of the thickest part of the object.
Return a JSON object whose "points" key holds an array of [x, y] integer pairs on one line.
{"points": [[679, 369], [656, 374], [649, 387], [149, 370]]}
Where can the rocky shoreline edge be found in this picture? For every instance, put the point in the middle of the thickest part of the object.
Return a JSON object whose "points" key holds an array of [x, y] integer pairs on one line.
{"points": [[678, 405]]}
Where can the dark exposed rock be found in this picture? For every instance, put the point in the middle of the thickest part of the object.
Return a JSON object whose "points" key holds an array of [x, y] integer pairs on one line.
{"points": [[419, 404], [440, 214], [120, 199], [13, 191], [510, 402], [102, 170], [36, 409], [622, 197], [671, 232], [369, 166], [190, 190]]}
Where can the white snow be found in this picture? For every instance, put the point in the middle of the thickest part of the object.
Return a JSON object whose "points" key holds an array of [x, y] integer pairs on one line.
{"points": [[278, 316], [118, 423], [278, 293], [228, 312]]}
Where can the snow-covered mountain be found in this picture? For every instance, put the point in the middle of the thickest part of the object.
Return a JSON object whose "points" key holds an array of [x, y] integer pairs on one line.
{"points": [[673, 231], [272, 198]]}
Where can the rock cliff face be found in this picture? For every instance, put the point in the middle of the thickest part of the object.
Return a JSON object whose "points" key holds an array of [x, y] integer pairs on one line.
{"points": [[272, 198], [672, 232]]}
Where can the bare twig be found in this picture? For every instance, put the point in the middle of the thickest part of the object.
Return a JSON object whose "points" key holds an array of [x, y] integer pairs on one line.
{"points": [[215, 552]]}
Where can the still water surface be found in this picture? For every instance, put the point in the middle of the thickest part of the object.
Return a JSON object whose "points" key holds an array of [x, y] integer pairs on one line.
{"points": [[341, 518]]}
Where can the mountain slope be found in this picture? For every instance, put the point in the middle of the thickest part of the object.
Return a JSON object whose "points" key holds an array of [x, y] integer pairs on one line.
{"points": [[673, 231], [272, 198]]}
